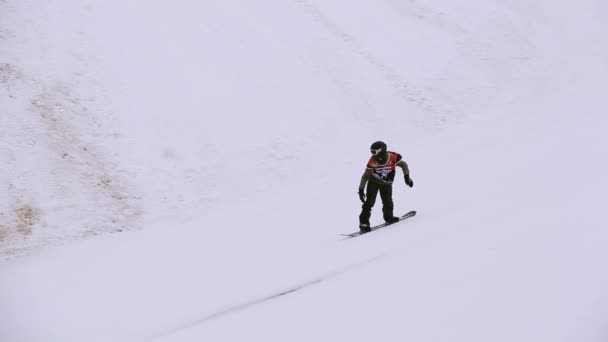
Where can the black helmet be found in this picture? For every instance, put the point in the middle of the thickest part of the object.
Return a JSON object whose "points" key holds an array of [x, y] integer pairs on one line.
{"points": [[378, 147], [378, 150]]}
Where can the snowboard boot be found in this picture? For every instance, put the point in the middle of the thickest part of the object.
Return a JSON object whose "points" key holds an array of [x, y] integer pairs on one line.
{"points": [[391, 220], [365, 228]]}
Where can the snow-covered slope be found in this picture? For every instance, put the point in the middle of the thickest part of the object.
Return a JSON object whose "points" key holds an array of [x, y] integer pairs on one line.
{"points": [[222, 142]]}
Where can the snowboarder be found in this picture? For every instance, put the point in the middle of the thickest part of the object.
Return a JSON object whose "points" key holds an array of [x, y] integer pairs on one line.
{"points": [[379, 175]]}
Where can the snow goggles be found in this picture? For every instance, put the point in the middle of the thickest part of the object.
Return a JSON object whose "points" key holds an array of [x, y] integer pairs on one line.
{"points": [[376, 152]]}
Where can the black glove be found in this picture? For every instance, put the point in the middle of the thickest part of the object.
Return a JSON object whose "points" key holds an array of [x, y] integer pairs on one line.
{"points": [[361, 195], [409, 181]]}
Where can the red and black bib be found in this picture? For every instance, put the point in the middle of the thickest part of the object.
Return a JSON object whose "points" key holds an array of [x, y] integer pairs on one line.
{"points": [[384, 173]]}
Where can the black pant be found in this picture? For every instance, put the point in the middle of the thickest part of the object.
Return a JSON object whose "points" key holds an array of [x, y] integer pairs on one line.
{"points": [[386, 194]]}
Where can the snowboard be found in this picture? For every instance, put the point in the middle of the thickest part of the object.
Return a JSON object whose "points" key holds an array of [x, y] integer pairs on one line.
{"points": [[406, 216]]}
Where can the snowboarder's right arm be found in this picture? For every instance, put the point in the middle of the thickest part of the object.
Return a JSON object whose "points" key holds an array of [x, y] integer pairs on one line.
{"points": [[366, 176]]}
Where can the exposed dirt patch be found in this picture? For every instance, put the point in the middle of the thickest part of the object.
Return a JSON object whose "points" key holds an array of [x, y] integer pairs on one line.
{"points": [[20, 221], [10, 75], [27, 217], [80, 193], [3, 233], [81, 165]]}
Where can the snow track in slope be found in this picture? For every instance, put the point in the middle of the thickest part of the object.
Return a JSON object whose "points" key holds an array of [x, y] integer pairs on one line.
{"points": [[261, 300]]}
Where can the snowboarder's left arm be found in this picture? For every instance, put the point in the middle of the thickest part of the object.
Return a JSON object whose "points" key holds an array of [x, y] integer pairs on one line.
{"points": [[403, 165], [406, 172]]}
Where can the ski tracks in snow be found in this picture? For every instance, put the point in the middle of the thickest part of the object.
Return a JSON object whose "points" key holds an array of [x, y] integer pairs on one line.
{"points": [[479, 66], [420, 97], [264, 299]]}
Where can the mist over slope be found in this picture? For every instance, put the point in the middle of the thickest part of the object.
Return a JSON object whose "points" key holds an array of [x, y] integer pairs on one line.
{"points": [[221, 142]]}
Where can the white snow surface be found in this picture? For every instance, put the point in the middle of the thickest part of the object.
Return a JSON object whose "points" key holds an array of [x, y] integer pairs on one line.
{"points": [[181, 170]]}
